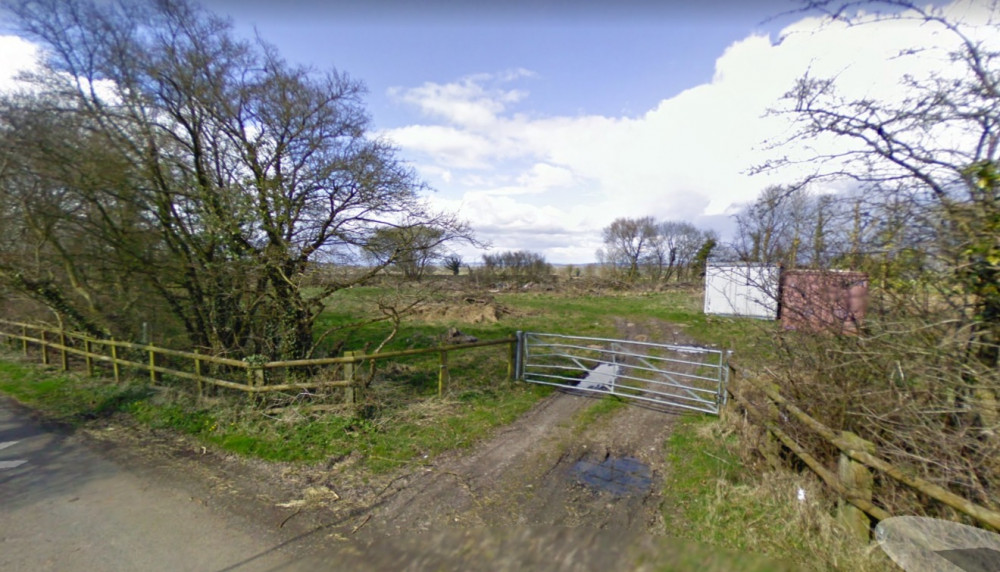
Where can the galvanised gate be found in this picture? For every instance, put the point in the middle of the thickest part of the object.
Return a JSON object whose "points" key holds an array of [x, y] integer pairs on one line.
{"points": [[689, 377]]}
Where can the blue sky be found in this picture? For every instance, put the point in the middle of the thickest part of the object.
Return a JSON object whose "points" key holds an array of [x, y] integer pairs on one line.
{"points": [[541, 122], [602, 58], [561, 59]]}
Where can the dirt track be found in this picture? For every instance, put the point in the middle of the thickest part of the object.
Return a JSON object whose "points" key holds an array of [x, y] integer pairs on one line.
{"points": [[525, 474], [513, 497]]}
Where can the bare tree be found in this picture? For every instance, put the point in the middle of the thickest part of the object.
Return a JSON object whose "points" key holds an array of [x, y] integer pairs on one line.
{"points": [[765, 228], [516, 265], [453, 263], [678, 242], [626, 242], [934, 153], [203, 171]]}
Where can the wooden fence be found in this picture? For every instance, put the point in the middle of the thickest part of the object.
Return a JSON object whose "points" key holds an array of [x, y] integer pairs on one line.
{"points": [[243, 375], [853, 480]]}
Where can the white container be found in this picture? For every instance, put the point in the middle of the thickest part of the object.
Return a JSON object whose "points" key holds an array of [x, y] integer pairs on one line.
{"points": [[749, 291]]}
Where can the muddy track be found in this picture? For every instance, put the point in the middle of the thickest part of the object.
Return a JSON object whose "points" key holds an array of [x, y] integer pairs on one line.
{"points": [[525, 476], [529, 473]]}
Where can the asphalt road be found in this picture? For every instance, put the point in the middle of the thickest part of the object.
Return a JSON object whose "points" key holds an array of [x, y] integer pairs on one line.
{"points": [[64, 506]]}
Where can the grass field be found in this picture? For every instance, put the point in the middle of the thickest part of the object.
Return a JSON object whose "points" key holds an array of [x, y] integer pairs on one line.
{"points": [[404, 419]]}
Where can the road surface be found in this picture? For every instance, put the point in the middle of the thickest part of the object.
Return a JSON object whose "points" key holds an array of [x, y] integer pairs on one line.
{"points": [[65, 506]]}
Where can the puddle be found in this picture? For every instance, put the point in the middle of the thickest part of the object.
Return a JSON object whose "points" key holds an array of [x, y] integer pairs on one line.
{"points": [[618, 476], [601, 377]]}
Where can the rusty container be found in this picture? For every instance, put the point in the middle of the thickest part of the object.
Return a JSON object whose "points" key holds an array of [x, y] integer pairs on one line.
{"points": [[823, 300]]}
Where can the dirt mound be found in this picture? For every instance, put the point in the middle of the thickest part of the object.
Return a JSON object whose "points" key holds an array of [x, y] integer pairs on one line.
{"points": [[468, 310]]}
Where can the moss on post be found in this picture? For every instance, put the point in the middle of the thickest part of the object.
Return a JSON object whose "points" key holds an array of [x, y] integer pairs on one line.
{"points": [[858, 479]]}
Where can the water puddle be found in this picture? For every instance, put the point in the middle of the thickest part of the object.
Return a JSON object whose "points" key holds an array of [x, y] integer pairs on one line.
{"points": [[601, 377], [618, 476]]}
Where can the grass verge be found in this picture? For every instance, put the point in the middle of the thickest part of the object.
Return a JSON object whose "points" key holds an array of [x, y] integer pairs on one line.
{"points": [[721, 496], [412, 432], [67, 398]]}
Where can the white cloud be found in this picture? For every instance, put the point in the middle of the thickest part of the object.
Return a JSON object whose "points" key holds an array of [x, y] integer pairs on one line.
{"points": [[543, 176], [550, 183], [450, 147], [469, 102], [562, 232], [522, 180], [16, 55]]}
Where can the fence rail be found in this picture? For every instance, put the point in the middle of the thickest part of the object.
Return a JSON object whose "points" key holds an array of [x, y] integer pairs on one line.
{"points": [[853, 479], [253, 376]]}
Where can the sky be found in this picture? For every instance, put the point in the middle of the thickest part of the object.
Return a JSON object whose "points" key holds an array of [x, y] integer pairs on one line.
{"points": [[540, 122]]}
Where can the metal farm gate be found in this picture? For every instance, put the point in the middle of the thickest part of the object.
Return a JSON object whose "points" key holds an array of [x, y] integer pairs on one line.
{"points": [[681, 376]]}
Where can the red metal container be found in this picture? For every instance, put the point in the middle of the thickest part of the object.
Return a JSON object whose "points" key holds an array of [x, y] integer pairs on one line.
{"points": [[823, 300]]}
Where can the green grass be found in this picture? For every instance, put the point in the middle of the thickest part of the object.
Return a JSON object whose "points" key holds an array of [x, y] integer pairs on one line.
{"points": [[553, 312], [598, 412], [351, 306], [406, 421], [701, 465], [65, 397], [595, 315], [715, 498], [411, 433]]}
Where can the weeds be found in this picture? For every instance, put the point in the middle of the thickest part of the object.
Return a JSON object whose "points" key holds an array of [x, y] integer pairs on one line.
{"points": [[722, 498]]}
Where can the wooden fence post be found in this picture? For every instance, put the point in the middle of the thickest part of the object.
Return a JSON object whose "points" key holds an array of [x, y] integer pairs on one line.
{"points": [[152, 364], [114, 361], [770, 446], [352, 393], [725, 408], [63, 358], [24, 340], [511, 361], [197, 374], [45, 349], [985, 405], [255, 375], [857, 478], [87, 356], [443, 374]]}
